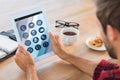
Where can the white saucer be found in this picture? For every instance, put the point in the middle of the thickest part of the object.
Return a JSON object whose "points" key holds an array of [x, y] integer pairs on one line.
{"points": [[102, 48]]}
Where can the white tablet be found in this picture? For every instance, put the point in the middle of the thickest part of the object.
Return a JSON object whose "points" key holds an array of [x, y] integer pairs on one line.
{"points": [[32, 32]]}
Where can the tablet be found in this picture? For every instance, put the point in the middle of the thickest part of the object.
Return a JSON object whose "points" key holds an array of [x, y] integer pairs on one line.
{"points": [[32, 32]]}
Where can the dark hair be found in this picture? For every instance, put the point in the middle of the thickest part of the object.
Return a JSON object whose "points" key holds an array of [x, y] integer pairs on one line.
{"points": [[108, 13]]}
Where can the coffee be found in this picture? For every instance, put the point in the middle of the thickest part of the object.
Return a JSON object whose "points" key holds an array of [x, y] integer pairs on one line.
{"points": [[70, 33]]}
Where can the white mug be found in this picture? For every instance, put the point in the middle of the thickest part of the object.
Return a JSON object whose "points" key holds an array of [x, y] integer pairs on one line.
{"points": [[69, 35]]}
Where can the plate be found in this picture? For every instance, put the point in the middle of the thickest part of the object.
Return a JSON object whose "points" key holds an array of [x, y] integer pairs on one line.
{"points": [[102, 48]]}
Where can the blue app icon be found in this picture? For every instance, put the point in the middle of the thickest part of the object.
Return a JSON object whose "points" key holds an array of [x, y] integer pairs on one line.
{"points": [[27, 42], [31, 25], [43, 37], [37, 47], [35, 39], [23, 27], [41, 29], [39, 22], [33, 32], [45, 44], [30, 49], [25, 35]]}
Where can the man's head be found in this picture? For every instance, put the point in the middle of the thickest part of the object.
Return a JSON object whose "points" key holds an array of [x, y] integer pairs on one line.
{"points": [[108, 14]]}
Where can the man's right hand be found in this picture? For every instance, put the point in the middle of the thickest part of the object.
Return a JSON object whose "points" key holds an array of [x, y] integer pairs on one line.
{"points": [[58, 46], [78, 61]]}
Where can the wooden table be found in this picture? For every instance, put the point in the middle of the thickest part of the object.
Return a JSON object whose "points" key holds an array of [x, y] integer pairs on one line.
{"points": [[53, 68]]}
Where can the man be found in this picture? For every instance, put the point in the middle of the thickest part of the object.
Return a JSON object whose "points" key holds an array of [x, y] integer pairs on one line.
{"points": [[109, 23]]}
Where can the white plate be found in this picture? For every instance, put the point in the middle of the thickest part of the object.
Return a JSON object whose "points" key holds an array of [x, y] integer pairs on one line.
{"points": [[102, 48]]}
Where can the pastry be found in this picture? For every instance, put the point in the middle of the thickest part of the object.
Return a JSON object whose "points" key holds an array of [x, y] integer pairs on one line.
{"points": [[97, 42]]}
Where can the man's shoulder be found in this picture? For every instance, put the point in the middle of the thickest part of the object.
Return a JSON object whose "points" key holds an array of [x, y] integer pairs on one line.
{"points": [[106, 69]]}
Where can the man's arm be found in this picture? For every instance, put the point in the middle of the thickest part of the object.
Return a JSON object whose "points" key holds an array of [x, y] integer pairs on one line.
{"points": [[25, 61], [31, 73], [81, 63]]}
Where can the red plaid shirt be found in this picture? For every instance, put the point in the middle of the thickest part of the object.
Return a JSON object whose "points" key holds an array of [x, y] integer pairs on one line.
{"points": [[107, 71]]}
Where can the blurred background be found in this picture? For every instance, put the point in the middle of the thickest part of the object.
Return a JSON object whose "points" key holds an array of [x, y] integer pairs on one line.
{"points": [[54, 9]]}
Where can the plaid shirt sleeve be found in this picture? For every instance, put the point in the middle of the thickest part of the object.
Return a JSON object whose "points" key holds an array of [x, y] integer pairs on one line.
{"points": [[106, 71]]}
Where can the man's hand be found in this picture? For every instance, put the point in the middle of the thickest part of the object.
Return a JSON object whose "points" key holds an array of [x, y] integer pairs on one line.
{"points": [[79, 62], [23, 59], [58, 47], [26, 62]]}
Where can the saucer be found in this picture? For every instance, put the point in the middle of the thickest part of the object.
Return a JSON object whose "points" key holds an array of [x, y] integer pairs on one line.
{"points": [[102, 48]]}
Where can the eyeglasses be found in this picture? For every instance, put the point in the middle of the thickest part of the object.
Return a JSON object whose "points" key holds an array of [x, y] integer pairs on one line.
{"points": [[61, 24]]}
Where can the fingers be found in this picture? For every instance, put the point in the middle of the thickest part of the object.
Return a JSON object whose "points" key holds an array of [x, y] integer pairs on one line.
{"points": [[59, 41], [52, 37], [23, 50], [21, 56], [17, 53], [56, 41]]}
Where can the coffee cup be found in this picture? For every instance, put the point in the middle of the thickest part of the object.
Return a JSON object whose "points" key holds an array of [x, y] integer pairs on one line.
{"points": [[69, 35]]}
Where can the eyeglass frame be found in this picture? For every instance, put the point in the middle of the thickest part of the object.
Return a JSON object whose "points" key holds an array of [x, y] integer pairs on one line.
{"points": [[66, 24]]}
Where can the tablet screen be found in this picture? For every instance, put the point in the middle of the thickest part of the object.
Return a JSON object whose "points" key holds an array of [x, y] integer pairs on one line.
{"points": [[33, 33]]}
